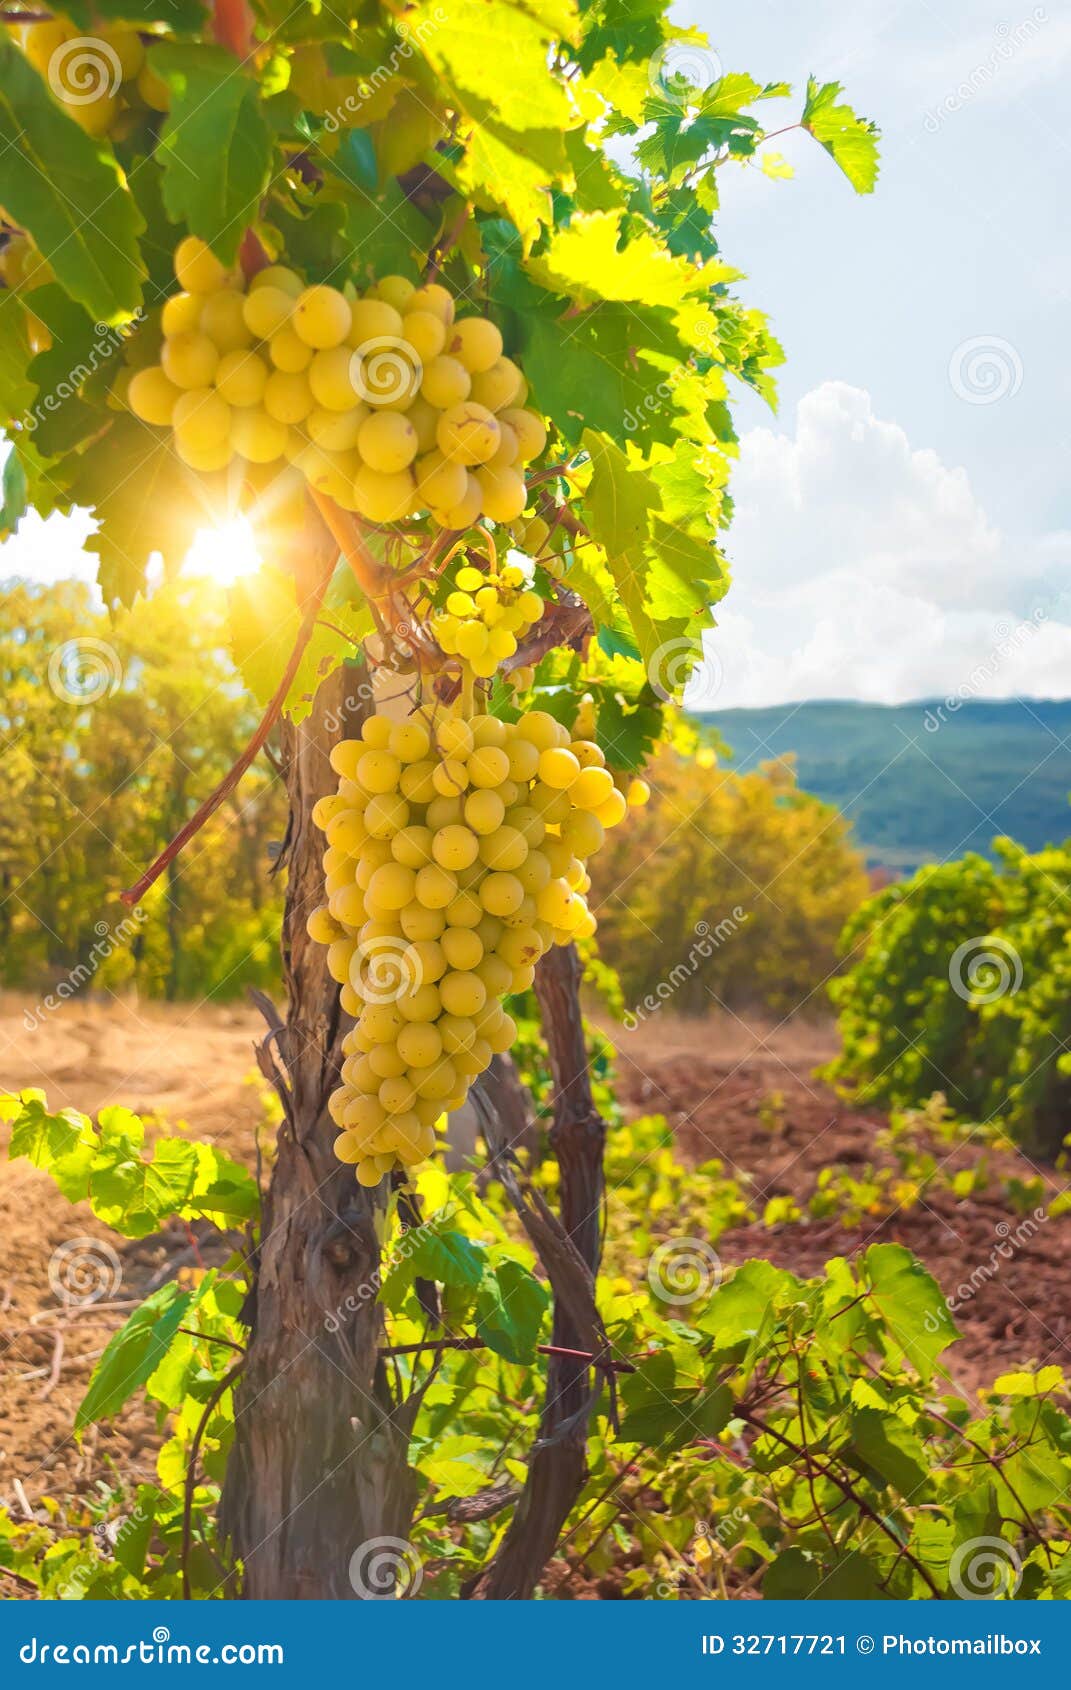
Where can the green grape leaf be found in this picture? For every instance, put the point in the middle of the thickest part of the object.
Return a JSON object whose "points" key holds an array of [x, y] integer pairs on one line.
{"points": [[499, 176], [885, 1443], [13, 493], [264, 618], [482, 47], [510, 1305], [589, 260], [133, 1354], [16, 388], [911, 1305], [851, 141], [215, 115], [67, 191], [384, 234], [139, 1196], [45, 1138], [617, 505], [143, 497]]}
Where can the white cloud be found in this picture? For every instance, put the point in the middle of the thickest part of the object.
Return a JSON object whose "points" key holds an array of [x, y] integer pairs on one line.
{"points": [[867, 568]]}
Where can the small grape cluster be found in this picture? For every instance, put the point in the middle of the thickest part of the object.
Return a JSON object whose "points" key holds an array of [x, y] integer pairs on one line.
{"points": [[385, 403], [486, 616], [457, 854], [97, 77]]}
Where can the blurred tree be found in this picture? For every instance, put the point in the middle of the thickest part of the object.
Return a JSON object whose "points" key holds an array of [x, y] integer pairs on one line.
{"points": [[113, 731], [728, 889]]}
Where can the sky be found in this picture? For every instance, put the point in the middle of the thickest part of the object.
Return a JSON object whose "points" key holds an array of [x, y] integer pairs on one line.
{"points": [[902, 523]]}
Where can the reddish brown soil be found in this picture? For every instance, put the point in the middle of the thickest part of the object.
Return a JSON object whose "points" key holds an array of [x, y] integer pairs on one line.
{"points": [[1018, 1309]]}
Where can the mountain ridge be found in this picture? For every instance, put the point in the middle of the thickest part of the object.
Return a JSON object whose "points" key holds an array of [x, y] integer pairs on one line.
{"points": [[921, 781]]}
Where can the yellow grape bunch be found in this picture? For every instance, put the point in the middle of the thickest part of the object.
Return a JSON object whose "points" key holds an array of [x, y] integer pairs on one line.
{"points": [[387, 403], [486, 616], [457, 854], [97, 75]]}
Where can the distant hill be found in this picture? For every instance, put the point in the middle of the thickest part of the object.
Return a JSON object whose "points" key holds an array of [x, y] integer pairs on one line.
{"points": [[921, 782]]}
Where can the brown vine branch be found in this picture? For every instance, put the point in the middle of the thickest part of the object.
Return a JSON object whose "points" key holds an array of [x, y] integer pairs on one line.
{"points": [[239, 767], [848, 1491], [595, 1359], [191, 1470]]}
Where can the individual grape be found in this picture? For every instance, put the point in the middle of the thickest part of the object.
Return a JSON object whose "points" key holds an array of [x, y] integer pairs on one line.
{"points": [[530, 430], [266, 310], [503, 493], [392, 886], [476, 343], [488, 766], [383, 498], [152, 396], [203, 458], [592, 786], [197, 269], [181, 313], [241, 378], [223, 321], [501, 894], [278, 276], [449, 778], [330, 380], [558, 768], [336, 431], [321, 316], [425, 419], [484, 811], [583, 833], [410, 741], [445, 383], [189, 359], [639, 794], [395, 290], [468, 433], [256, 436], [613, 809], [465, 513], [462, 993], [435, 887], [454, 847], [372, 319], [441, 483], [411, 845], [288, 351], [202, 418], [498, 386], [287, 398], [387, 442], [505, 849], [435, 298], [425, 333]]}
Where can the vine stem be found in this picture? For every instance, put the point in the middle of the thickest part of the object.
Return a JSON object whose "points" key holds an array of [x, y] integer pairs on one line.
{"points": [[846, 1490], [478, 1344], [238, 768], [191, 1470]]}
